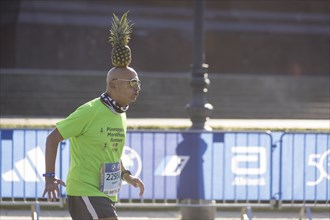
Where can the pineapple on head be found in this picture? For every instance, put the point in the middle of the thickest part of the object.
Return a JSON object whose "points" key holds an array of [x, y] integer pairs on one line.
{"points": [[120, 32]]}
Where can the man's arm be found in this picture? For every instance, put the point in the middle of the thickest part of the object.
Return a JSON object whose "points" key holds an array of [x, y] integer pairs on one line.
{"points": [[53, 139], [51, 183], [136, 182]]}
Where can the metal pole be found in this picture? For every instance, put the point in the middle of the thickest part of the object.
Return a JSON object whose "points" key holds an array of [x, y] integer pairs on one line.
{"points": [[198, 109]]}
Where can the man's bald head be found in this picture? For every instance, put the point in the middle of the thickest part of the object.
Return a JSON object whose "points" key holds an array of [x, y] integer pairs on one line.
{"points": [[120, 72]]}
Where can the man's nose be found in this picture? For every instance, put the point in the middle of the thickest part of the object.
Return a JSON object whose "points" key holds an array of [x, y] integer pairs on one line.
{"points": [[137, 87]]}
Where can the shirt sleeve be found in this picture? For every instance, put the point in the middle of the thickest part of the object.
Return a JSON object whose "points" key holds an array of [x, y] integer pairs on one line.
{"points": [[75, 124]]}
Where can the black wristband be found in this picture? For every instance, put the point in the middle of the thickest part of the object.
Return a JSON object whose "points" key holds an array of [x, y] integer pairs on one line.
{"points": [[123, 173], [48, 175]]}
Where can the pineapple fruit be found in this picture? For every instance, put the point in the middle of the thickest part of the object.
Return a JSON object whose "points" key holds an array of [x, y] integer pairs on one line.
{"points": [[120, 32]]}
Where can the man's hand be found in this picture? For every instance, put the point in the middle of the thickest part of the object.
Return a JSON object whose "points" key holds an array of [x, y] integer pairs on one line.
{"points": [[51, 188], [136, 182]]}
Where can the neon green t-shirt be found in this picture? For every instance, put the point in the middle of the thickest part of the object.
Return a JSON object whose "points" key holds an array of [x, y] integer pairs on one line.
{"points": [[97, 136]]}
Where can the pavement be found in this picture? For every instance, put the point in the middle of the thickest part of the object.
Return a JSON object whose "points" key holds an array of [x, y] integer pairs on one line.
{"points": [[169, 214]]}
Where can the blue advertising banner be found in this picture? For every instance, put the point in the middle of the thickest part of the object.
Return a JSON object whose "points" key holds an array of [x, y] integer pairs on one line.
{"points": [[305, 167], [23, 163], [191, 165], [222, 166]]}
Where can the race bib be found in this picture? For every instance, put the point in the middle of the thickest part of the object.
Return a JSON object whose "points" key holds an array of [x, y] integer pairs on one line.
{"points": [[110, 181]]}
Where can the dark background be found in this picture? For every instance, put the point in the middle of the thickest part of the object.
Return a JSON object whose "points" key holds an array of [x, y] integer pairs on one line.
{"points": [[267, 59], [259, 37]]}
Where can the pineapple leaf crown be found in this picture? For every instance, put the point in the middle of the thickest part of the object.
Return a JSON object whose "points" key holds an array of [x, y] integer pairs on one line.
{"points": [[120, 31]]}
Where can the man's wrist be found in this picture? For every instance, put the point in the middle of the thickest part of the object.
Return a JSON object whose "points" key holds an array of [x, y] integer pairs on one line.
{"points": [[125, 172], [50, 179]]}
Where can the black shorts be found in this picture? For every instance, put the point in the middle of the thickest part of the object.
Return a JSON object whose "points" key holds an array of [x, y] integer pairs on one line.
{"points": [[90, 207]]}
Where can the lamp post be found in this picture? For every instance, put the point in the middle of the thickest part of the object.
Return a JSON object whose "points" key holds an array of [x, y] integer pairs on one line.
{"points": [[193, 145], [198, 109]]}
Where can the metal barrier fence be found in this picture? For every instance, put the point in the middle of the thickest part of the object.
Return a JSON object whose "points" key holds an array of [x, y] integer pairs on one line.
{"points": [[227, 168], [305, 169], [22, 165], [207, 166]]}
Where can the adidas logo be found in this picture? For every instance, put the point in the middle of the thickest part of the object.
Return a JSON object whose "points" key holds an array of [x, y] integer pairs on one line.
{"points": [[28, 169], [31, 168]]}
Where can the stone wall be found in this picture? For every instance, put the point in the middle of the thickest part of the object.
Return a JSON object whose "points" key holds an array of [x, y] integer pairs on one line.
{"points": [[56, 93]]}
